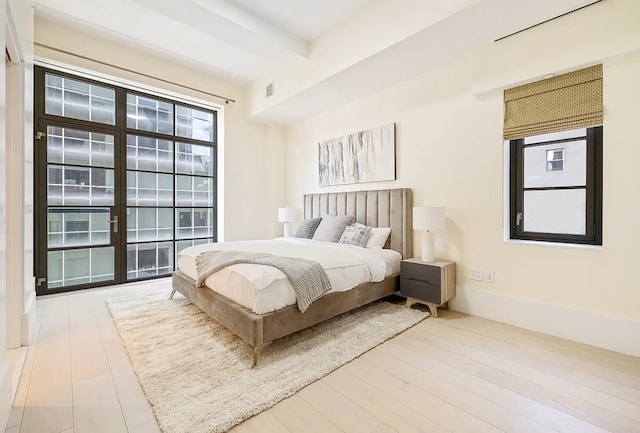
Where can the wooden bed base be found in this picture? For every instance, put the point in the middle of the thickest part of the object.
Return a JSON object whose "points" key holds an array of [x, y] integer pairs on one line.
{"points": [[260, 329], [377, 208]]}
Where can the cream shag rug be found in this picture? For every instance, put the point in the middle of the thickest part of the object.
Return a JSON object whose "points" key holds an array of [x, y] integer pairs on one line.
{"points": [[197, 375]]}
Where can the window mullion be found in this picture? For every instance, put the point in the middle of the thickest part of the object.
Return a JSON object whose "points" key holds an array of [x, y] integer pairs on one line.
{"points": [[517, 216], [121, 202]]}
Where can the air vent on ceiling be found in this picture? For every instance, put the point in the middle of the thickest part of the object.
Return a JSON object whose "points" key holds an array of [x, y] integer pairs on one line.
{"points": [[546, 21], [269, 90]]}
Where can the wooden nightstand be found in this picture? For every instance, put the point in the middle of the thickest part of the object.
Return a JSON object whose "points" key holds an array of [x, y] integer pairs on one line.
{"points": [[433, 284]]}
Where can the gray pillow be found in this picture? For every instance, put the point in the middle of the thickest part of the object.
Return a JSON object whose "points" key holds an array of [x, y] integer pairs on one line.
{"points": [[307, 228], [331, 227]]}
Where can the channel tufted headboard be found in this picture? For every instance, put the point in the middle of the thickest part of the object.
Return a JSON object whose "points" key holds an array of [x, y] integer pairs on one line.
{"points": [[376, 208]]}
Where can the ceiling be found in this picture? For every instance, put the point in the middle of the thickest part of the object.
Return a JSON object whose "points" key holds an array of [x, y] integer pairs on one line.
{"points": [[246, 41], [239, 40]]}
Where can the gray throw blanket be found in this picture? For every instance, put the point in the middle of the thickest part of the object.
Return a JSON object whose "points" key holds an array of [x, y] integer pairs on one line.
{"points": [[308, 278]]}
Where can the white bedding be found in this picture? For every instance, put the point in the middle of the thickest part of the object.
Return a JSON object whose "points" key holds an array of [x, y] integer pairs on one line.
{"points": [[264, 289]]}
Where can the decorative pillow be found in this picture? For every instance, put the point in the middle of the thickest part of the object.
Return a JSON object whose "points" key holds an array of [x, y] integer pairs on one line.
{"points": [[307, 228], [377, 237], [355, 235], [331, 227]]}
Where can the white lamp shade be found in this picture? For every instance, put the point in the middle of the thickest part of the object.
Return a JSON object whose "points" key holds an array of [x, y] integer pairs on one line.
{"points": [[286, 214], [428, 218]]}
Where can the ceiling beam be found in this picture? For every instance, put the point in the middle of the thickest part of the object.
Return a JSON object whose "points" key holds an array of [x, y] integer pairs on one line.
{"points": [[235, 25]]}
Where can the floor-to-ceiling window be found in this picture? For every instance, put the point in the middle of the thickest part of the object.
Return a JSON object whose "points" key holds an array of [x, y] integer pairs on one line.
{"points": [[124, 180]]}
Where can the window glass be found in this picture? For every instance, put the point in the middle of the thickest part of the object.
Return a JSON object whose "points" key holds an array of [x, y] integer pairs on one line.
{"points": [[149, 259], [68, 227], [151, 154], [194, 223], [75, 147], [573, 172], [149, 224], [148, 114], [194, 159], [555, 211], [77, 99], [555, 136], [79, 266], [194, 123], [149, 189], [194, 191], [79, 186]]}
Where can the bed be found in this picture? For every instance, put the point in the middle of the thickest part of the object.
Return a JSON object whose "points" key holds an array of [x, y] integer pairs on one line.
{"points": [[376, 208]]}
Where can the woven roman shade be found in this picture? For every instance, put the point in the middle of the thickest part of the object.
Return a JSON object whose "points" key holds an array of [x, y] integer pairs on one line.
{"points": [[568, 101]]}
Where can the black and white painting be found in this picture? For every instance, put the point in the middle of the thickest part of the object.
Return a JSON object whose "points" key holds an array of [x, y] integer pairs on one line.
{"points": [[365, 156]]}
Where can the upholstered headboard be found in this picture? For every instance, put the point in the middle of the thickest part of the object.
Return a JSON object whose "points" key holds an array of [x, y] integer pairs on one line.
{"points": [[377, 208]]}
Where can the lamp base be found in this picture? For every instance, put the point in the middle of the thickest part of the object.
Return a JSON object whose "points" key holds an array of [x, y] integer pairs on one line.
{"points": [[428, 247], [287, 230]]}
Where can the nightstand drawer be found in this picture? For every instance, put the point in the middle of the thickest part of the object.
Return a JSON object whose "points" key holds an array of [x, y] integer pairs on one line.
{"points": [[420, 290], [420, 271]]}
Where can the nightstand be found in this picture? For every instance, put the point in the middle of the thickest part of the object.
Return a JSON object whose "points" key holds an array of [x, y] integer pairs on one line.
{"points": [[432, 284]]}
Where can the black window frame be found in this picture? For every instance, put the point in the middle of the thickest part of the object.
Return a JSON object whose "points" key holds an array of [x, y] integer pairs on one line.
{"points": [[119, 130], [593, 190]]}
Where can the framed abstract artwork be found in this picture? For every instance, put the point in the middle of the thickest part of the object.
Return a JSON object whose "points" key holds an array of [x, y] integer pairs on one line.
{"points": [[360, 157]]}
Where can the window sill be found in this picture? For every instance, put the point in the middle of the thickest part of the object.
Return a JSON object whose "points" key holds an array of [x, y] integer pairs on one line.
{"points": [[554, 244]]}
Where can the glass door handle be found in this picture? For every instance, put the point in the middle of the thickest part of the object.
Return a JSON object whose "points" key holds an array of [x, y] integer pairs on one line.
{"points": [[115, 223]]}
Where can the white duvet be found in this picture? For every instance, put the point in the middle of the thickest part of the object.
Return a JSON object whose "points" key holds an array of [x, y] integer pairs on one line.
{"points": [[264, 289]]}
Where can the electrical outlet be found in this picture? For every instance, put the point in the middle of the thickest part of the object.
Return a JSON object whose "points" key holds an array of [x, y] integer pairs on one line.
{"points": [[476, 274], [491, 277]]}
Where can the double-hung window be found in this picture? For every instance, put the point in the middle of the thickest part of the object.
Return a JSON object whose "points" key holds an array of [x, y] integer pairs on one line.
{"points": [[556, 187]]}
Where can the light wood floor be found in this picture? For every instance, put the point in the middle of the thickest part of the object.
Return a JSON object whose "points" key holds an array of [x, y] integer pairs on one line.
{"points": [[457, 373]]}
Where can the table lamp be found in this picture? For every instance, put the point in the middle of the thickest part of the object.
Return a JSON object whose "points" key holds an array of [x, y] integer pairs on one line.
{"points": [[428, 219], [286, 215]]}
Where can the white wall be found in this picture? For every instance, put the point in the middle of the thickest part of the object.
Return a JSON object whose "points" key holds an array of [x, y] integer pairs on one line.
{"points": [[20, 280], [5, 366], [378, 25], [450, 152], [251, 153], [16, 288]]}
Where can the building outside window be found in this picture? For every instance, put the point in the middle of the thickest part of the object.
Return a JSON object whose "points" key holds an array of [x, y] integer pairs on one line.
{"points": [[555, 159]]}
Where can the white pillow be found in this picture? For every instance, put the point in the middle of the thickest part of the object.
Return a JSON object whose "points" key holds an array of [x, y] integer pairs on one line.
{"points": [[377, 236]]}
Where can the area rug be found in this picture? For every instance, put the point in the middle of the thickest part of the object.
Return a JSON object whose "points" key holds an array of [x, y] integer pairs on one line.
{"points": [[198, 377]]}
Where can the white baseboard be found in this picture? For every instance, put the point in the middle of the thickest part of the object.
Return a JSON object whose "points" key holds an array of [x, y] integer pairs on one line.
{"points": [[28, 327], [616, 333], [6, 400]]}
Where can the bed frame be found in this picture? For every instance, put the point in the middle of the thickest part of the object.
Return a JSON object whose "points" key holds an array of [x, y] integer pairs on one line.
{"points": [[378, 208]]}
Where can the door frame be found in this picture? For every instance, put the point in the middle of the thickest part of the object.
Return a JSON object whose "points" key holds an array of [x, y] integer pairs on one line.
{"points": [[116, 240]]}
